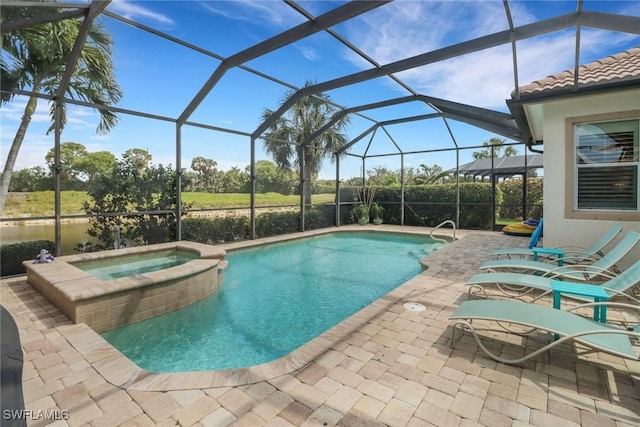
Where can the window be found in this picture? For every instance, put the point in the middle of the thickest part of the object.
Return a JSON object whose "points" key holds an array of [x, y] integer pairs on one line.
{"points": [[606, 166]]}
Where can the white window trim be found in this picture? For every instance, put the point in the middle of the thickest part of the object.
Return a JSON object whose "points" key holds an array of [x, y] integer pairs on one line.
{"points": [[571, 171]]}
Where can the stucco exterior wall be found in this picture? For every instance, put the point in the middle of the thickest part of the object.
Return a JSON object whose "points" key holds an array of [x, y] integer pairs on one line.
{"points": [[558, 229]]}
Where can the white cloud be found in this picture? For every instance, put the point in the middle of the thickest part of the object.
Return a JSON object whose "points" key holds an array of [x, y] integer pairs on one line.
{"points": [[264, 13], [32, 151], [134, 11], [407, 28], [36, 142], [486, 78], [308, 52], [13, 111]]}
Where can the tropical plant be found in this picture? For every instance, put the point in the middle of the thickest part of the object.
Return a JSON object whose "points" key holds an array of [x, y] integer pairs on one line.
{"points": [[383, 177], [366, 195], [36, 57], [376, 210], [430, 174], [360, 212], [137, 196], [285, 137]]}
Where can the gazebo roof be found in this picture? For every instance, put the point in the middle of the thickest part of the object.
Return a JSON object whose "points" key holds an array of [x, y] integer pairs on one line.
{"points": [[513, 165]]}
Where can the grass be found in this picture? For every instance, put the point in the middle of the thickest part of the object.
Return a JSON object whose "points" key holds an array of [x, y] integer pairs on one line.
{"points": [[41, 203], [506, 221]]}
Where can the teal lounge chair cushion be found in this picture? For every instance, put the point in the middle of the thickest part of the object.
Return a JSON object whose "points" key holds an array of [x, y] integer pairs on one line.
{"points": [[565, 324]]}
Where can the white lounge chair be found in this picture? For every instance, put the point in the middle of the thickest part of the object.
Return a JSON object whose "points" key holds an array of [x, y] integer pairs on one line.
{"points": [[571, 254], [603, 267], [567, 326], [520, 284]]}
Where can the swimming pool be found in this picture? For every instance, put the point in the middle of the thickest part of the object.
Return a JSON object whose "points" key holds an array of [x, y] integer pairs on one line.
{"points": [[274, 299]]}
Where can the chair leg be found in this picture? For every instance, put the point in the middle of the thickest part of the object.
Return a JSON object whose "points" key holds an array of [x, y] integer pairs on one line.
{"points": [[463, 324]]}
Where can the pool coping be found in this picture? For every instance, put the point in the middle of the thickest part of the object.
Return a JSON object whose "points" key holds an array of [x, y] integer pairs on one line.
{"points": [[120, 371]]}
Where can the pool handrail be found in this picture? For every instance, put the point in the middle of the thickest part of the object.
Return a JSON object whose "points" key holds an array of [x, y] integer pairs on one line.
{"points": [[448, 221]]}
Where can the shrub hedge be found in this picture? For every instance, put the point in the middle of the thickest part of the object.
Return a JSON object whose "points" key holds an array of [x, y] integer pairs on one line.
{"points": [[229, 229], [511, 189], [12, 255], [429, 205]]}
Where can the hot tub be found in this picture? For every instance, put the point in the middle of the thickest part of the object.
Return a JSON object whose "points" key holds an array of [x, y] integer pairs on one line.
{"points": [[107, 304]]}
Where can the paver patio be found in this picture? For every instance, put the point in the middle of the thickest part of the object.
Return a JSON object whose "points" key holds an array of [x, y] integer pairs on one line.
{"points": [[395, 369]]}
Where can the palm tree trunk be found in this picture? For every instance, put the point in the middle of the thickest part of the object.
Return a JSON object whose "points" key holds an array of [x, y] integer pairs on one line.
{"points": [[308, 174], [5, 180]]}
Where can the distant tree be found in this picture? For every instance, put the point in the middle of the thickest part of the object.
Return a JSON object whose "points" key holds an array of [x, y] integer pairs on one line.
{"points": [[324, 186], [93, 164], [354, 181], [270, 178], [203, 166], [207, 177], [235, 180], [37, 56], [306, 116], [381, 176], [409, 175], [498, 145], [138, 158], [32, 179], [70, 153]]}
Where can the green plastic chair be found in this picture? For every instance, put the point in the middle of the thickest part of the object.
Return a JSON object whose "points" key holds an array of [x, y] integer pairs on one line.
{"points": [[519, 284], [572, 254], [567, 326], [603, 267]]}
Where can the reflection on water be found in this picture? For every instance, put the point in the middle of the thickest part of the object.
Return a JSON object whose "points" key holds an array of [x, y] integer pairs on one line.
{"points": [[71, 234]]}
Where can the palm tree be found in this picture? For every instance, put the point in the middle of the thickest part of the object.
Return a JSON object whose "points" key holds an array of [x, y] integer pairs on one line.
{"points": [[495, 146], [307, 116], [36, 58], [431, 174]]}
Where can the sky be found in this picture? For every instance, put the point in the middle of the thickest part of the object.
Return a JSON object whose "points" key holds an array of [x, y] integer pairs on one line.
{"points": [[160, 77]]}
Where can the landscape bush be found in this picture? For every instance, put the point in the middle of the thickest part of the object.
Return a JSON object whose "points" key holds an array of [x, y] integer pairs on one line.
{"points": [[511, 207], [12, 255], [216, 230], [230, 229]]}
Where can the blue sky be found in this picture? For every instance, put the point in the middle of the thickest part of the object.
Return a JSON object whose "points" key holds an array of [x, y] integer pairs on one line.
{"points": [[160, 77]]}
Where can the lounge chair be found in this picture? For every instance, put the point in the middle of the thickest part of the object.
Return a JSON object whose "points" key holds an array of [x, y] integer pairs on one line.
{"points": [[603, 267], [565, 325], [572, 254], [520, 284]]}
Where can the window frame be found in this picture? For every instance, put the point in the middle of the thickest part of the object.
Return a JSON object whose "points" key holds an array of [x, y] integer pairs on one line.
{"points": [[571, 170]]}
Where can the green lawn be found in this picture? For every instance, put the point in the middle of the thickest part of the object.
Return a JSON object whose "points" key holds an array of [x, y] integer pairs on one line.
{"points": [[41, 203]]}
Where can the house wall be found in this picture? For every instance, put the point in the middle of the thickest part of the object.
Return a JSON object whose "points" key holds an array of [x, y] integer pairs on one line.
{"points": [[558, 229]]}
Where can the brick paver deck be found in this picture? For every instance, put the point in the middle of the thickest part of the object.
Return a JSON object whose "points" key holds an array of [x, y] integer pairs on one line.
{"points": [[395, 369]]}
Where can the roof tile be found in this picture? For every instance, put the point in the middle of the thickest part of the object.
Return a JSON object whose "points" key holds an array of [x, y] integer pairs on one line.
{"points": [[624, 66]]}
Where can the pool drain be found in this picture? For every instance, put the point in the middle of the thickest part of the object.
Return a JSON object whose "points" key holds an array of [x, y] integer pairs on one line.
{"points": [[414, 306]]}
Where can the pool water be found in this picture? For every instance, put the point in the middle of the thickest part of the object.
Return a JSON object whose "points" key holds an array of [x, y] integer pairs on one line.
{"points": [[274, 299], [114, 268]]}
